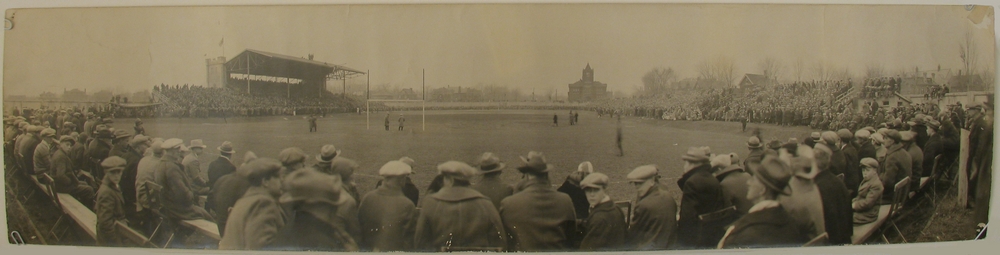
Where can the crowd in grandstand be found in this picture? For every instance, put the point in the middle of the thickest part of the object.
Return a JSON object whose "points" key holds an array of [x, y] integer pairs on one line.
{"points": [[199, 101], [880, 87], [782, 193]]}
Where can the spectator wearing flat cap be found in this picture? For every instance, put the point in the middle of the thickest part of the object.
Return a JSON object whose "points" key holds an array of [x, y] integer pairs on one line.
{"points": [[898, 165], [572, 188], [852, 171], [767, 224], [98, 149], [385, 214], [134, 151], [143, 174], [67, 128], [916, 158], [344, 167], [192, 166], [176, 197], [756, 151], [458, 216], [110, 205], [43, 151], [866, 203], [654, 219], [490, 168], [27, 147], [66, 175], [313, 197], [802, 201], [605, 226], [862, 138], [733, 179], [838, 162], [814, 138], [228, 189], [919, 126], [837, 213], [292, 159], [409, 189], [256, 218], [703, 209], [119, 144], [222, 165]]}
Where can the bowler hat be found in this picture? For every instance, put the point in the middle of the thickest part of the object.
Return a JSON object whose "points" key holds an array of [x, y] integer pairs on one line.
{"points": [[754, 143], [534, 163], [489, 163]]}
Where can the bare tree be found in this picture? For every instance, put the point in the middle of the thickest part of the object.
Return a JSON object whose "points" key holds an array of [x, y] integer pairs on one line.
{"points": [[658, 80], [771, 68], [875, 70], [721, 69], [968, 52]]}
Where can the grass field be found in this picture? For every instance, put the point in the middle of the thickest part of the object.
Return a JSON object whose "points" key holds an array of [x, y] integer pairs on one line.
{"points": [[464, 135]]}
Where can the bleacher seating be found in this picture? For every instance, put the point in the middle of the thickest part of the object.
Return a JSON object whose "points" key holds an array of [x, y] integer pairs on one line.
{"points": [[885, 213]]}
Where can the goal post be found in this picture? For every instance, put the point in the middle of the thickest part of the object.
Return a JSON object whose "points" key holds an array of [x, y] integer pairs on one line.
{"points": [[423, 111]]}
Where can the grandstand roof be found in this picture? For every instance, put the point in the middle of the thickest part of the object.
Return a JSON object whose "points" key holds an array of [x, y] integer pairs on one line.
{"points": [[280, 65]]}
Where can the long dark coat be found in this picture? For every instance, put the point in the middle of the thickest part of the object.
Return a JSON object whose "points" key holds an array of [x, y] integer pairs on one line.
{"points": [[109, 208], [771, 227], [734, 186], [867, 150], [984, 182], [387, 221], [654, 220], [702, 194], [605, 228], [254, 221], [460, 217], [838, 217], [308, 233], [579, 198], [838, 162], [494, 189], [917, 159], [127, 184], [898, 165], [539, 219], [226, 191], [219, 167], [852, 170], [176, 198]]}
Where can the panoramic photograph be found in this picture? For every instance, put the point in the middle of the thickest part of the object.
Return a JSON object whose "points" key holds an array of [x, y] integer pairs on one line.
{"points": [[498, 127]]}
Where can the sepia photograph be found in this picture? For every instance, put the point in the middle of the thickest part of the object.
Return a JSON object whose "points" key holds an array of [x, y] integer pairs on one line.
{"points": [[515, 127]]}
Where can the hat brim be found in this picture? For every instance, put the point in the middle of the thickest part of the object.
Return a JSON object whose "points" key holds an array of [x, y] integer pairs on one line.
{"points": [[755, 172], [320, 157], [755, 147], [534, 169], [499, 167], [230, 151]]}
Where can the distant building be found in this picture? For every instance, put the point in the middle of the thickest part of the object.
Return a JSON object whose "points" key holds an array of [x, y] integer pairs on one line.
{"points": [[753, 80], [75, 95], [47, 96], [586, 89], [458, 94]]}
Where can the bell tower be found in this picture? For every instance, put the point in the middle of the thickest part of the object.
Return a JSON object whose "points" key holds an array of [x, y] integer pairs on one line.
{"points": [[588, 74]]}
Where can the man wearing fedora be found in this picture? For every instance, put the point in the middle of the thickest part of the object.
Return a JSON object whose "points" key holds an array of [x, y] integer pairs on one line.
{"points": [[222, 165], [256, 218], [767, 224], [458, 216], [192, 166], [98, 149], [490, 185], [605, 227], [385, 214], [703, 210], [313, 197], [654, 218], [539, 218], [325, 158], [756, 151]]}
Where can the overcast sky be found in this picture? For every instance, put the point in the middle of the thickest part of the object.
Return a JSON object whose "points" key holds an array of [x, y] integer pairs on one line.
{"points": [[529, 46]]}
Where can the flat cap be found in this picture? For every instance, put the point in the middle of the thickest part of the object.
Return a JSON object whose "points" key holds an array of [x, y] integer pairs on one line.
{"points": [[48, 132], [877, 137], [343, 166], [907, 136], [457, 169], [830, 138], [595, 180], [695, 154], [721, 161], [120, 133], [113, 163], [35, 129], [869, 162], [291, 155], [845, 134], [67, 138], [395, 168], [862, 134], [642, 173], [892, 134], [139, 139], [172, 143], [310, 186], [262, 167]]}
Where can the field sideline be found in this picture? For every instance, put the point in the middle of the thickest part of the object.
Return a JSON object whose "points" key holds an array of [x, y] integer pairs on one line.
{"points": [[464, 135]]}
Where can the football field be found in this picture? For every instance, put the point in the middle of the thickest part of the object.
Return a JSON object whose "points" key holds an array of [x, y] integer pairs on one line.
{"points": [[465, 135]]}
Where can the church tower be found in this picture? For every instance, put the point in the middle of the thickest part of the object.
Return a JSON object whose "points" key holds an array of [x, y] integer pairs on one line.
{"points": [[588, 74]]}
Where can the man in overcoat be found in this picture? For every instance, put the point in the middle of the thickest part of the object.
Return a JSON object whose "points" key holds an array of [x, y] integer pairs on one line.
{"points": [[605, 227], [767, 224], [572, 188], [385, 214], [110, 204], [916, 158], [734, 184], [222, 165], [703, 209], [852, 170], [654, 217], [490, 185], [313, 197], [539, 218], [898, 165], [458, 216], [176, 197], [838, 217], [64, 174], [256, 218]]}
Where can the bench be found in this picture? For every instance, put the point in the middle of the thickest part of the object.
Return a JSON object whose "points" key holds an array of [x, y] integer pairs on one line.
{"points": [[205, 227], [863, 231], [136, 238], [79, 213], [818, 240]]}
